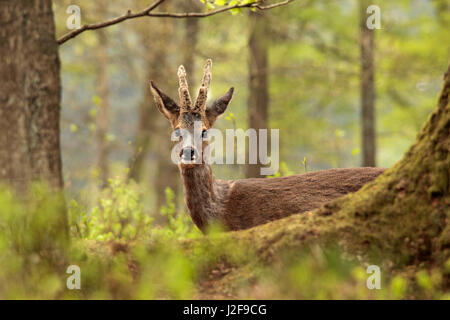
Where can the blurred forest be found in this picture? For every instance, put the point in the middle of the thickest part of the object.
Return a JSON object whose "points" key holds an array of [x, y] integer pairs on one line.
{"points": [[312, 67], [341, 96]]}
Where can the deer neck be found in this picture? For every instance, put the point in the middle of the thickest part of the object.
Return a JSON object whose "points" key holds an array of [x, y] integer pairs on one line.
{"points": [[201, 194]]}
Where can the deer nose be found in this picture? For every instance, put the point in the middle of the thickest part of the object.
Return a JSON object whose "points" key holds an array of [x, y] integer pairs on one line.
{"points": [[188, 154]]}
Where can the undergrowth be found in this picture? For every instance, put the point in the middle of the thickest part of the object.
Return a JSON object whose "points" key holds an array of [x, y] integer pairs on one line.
{"points": [[122, 254]]}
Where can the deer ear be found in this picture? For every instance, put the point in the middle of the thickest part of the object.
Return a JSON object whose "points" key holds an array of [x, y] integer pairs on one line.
{"points": [[219, 106], [165, 104]]}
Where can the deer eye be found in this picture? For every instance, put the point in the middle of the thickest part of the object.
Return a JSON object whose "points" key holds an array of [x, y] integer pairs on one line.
{"points": [[177, 133], [204, 134]]}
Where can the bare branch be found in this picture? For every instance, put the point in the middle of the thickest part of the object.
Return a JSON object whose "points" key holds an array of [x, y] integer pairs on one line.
{"points": [[99, 25], [147, 12], [271, 6]]}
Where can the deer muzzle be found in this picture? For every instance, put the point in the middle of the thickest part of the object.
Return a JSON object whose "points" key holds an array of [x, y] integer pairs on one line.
{"points": [[188, 154]]}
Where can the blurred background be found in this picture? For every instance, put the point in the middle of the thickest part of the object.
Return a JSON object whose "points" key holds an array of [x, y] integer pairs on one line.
{"points": [[295, 68]]}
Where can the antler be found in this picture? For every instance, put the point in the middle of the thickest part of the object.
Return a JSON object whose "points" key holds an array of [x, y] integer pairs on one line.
{"points": [[200, 104], [185, 97]]}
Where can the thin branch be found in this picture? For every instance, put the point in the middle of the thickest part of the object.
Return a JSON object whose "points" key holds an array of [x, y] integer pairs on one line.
{"points": [[99, 25], [268, 7], [255, 5], [147, 12]]}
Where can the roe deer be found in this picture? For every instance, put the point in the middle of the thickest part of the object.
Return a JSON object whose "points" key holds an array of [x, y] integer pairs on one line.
{"points": [[244, 203]]}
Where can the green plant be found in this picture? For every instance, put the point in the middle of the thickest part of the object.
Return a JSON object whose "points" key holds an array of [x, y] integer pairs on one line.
{"points": [[283, 171], [179, 224], [118, 215]]}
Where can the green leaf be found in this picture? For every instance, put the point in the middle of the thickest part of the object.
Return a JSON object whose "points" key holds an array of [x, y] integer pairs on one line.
{"points": [[236, 11]]}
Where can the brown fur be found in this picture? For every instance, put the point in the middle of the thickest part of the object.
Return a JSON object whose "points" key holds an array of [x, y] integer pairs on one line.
{"points": [[245, 203]]}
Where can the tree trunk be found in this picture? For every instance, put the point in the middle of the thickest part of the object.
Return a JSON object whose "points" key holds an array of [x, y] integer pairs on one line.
{"points": [[258, 103], [154, 129], [148, 117], [29, 95], [403, 215], [367, 43], [142, 139], [103, 107], [190, 37]]}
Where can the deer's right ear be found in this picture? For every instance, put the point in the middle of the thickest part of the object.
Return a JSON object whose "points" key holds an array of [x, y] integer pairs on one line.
{"points": [[219, 106], [165, 104]]}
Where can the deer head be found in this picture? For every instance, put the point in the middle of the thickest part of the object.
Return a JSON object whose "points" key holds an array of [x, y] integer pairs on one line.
{"points": [[185, 116]]}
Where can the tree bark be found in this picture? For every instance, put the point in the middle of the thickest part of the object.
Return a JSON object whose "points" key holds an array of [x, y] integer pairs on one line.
{"points": [[258, 103], [191, 29], [29, 95], [367, 45], [143, 135]]}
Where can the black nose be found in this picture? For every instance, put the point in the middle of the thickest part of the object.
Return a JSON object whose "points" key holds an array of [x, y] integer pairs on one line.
{"points": [[188, 154]]}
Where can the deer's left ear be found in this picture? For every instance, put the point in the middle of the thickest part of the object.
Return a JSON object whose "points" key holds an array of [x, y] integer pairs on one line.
{"points": [[219, 106]]}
